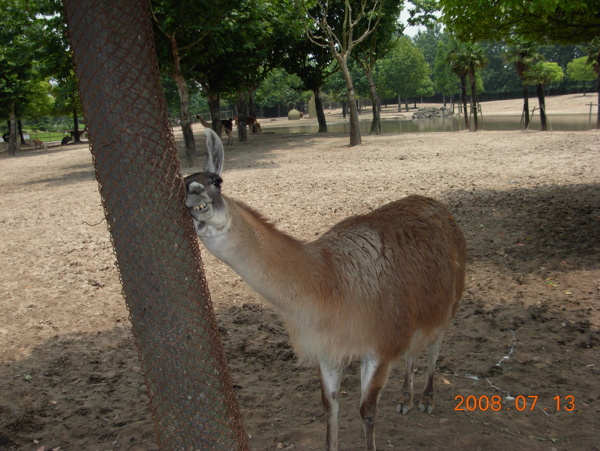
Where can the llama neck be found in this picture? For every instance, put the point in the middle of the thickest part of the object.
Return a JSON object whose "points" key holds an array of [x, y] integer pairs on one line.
{"points": [[279, 267]]}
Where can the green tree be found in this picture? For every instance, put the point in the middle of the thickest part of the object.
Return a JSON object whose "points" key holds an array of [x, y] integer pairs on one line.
{"points": [[465, 60], [19, 63], [562, 21], [404, 72], [580, 70], [281, 88], [444, 81], [374, 48], [541, 74], [181, 29], [341, 27], [592, 50], [523, 55]]}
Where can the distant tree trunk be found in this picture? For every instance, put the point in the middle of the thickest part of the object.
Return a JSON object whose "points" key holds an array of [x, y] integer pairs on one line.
{"points": [[463, 96], [320, 113], [242, 107], [13, 144], [76, 132], [184, 105], [473, 81], [598, 117], [251, 109], [542, 102], [214, 106], [20, 131], [376, 122], [344, 108], [526, 105], [399, 103]]}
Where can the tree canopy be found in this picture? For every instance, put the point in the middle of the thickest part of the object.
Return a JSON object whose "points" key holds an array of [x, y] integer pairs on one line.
{"points": [[561, 21]]}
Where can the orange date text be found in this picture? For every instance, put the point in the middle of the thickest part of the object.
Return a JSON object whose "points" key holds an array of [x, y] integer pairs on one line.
{"points": [[521, 403]]}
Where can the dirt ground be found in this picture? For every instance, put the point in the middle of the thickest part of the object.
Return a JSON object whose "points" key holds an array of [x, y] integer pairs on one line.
{"points": [[528, 328]]}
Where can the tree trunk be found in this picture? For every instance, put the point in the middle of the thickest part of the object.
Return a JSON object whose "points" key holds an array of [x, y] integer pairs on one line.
{"points": [[526, 105], [214, 106], [542, 102], [399, 103], [598, 86], [13, 143], [320, 113], [184, 105], [355, 136], [20, 131], [376, 122], [474, 102], [242, 107], [463, 96], [76, 133]]}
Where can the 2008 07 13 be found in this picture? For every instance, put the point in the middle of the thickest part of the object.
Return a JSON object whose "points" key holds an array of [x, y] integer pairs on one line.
{"points": [[521, 403]]}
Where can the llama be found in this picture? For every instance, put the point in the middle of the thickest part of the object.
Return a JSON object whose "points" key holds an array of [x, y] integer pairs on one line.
{"points": [[38, 144], [227, 126], [251, 122], [375, 286]]}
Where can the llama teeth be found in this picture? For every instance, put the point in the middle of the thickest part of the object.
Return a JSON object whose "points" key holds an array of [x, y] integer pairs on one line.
{"points": [[199, 207]]}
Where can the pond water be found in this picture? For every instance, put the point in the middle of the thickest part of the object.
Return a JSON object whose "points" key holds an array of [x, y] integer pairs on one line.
{"points": [[567, 122]]}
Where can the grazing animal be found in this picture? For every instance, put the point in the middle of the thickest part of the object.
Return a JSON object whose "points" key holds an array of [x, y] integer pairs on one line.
{"points": [[251, 122], [6, 137], [39, 144], [375, 286], [65, 140], [227, 126]]}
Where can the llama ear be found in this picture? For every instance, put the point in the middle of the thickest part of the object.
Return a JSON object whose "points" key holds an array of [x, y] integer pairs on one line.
{"points": [[215, 152]]}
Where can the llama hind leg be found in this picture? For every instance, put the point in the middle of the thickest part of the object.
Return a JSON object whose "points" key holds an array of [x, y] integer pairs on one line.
{"points": [[406, 404], [433, 352], [373, 375], [331, 379]]}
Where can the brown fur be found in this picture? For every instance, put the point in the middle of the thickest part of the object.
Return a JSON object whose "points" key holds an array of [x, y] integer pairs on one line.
{"points": [[251, 122], [39, 144], [371, 282], [227, 126]]}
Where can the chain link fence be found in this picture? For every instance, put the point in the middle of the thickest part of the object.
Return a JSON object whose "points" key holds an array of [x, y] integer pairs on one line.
{"points": [[191, 397]]}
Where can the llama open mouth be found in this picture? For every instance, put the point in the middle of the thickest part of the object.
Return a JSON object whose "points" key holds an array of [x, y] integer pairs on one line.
{"points": [[200, 207]]}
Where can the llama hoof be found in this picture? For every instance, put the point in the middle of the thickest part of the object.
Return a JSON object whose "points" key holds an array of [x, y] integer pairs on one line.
{"points": [[403, 408], [426, 408]]}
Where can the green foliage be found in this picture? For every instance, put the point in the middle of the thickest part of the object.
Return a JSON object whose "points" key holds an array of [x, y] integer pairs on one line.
{"points": [[404, 72], [544, 73], [281, 88], [562, 21], [580, 70], [445, 82]]}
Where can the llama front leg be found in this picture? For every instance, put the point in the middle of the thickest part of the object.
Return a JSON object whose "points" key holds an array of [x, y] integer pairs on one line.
{"points": [[331, 379], [373, 376]]}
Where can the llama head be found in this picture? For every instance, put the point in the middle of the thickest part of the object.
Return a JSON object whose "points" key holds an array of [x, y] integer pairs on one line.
{"points": [[204, 199]]}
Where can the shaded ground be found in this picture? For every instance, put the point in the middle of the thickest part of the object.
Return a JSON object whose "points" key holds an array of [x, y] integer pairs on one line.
{"points": [[528, 325]]}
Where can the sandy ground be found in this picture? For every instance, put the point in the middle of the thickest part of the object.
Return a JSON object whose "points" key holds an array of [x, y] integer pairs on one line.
{"points": [[528, 327]]}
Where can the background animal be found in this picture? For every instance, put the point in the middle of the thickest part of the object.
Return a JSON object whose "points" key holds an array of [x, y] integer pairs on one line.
{"points": [[227, 126], [251, 122], [39, 144], [374, 287]]}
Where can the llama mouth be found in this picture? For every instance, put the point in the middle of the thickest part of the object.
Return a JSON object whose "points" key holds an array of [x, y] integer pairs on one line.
{"points": [[200, 207]]}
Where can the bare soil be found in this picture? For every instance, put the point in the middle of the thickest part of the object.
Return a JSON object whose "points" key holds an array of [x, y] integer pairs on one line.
{"points": [[528, 328]]}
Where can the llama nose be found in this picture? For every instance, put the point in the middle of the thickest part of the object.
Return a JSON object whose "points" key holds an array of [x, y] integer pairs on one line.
{"points": [[195, 188]]}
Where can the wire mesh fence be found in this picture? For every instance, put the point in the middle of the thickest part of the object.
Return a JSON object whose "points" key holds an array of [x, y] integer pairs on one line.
{"points": [[135, 158]]}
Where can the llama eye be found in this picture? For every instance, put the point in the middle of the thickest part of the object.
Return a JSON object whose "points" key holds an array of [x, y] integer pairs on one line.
{"points": [[217, 182]]}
